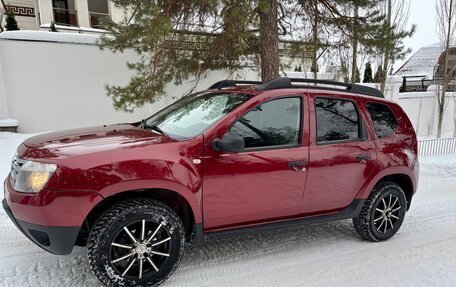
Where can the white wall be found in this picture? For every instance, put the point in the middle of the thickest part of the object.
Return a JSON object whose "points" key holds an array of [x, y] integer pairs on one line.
{"points": [[52, 86], [392, 85], [422, 109], [56, 85]]}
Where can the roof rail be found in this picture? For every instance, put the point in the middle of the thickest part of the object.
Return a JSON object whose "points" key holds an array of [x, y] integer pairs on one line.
{"points": [[231, 83], [287, 83], [283, 82], [352, 88]]}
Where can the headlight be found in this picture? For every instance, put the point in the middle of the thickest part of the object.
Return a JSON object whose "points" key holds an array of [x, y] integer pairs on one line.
{"points": [[32, 176]]}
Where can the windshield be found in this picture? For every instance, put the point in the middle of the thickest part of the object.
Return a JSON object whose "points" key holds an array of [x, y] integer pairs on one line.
{"points": [[193, 114]]}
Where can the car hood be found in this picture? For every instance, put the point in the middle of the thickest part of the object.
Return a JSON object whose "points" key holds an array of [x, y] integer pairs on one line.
{"points": [[89, 140]]}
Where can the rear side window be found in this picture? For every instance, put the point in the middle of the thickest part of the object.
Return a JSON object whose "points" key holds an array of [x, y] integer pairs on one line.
{"points": [[273, 123], [385, 122], [337, 120]]}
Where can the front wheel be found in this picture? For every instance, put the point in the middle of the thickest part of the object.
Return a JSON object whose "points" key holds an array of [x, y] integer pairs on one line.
{"points": [[383, 212], [136, 243]]}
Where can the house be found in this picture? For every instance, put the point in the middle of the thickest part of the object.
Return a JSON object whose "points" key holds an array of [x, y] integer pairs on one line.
{"points": [[425, 68], [66, 14]]}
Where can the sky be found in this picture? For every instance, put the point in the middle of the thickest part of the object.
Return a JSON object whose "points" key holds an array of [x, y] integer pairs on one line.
{"points": [[423, 14]]}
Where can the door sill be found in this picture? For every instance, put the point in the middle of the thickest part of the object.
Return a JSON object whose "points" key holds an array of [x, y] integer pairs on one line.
{"points": [[350, 211]]}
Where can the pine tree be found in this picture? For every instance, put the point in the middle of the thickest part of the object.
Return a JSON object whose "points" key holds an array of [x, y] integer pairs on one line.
{"points": [[356, 25], [368, 73], [269, 39], [11, 23], [392, 48], [156, 30]]}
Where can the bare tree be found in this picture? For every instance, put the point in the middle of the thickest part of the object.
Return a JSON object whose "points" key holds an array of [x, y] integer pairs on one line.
{"points": [[446, 18]]}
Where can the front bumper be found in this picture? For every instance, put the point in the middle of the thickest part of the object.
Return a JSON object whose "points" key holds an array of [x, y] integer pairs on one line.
{"points": [[55, 239], [51, 219]]}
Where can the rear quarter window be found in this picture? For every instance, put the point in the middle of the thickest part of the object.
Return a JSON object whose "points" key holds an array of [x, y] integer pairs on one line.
{"points": [[385, 123]]}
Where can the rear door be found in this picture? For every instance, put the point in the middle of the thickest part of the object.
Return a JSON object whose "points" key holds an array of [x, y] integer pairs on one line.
{"points": [[342, 155]]}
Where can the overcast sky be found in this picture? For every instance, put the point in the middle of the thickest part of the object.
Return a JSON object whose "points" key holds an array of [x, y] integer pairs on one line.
{"points": [[422, 13]]}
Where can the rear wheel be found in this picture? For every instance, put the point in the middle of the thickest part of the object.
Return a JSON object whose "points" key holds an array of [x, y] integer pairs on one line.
{"points": [[383, 212], [136, 243]]}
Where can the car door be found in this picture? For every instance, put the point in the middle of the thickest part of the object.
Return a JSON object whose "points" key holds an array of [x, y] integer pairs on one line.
{"points": [[267, 180], [342, 154]]}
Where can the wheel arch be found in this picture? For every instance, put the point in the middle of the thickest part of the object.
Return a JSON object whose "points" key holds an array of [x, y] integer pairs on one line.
{"points": [[174, 200], [404, 181]]}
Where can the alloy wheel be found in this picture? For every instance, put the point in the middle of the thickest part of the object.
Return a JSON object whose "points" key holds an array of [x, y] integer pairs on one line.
{"points": [[140, 249], [387, 213]]}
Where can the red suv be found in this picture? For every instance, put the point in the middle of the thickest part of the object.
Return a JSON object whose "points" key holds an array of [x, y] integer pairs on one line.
{"points": [[240, 157]]}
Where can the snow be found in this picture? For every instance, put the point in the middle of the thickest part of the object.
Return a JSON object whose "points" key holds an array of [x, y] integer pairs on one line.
{"points": [[44, 36], [423, 253], [9, 123]]}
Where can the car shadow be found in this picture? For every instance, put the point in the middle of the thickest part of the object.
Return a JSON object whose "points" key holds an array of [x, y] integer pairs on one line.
{"points": [[269, 242]]}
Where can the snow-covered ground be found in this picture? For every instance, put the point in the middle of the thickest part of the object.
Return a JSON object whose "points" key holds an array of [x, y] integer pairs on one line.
{"points": [[423, 253]]}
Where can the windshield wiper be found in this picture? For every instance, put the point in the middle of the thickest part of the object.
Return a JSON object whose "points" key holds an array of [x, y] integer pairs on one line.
{"points": [[144, 125], [158, 129]]}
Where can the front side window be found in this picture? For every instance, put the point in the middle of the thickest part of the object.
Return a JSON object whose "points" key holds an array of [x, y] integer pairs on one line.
{"points": [[337, 120], [274, 123], [385, 122], [194, 114]]}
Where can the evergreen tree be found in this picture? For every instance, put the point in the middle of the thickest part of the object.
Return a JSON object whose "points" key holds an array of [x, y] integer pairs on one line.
{"points": [[392, 48], [368, 73], [11, 23], [354, 24], [227, 32]]}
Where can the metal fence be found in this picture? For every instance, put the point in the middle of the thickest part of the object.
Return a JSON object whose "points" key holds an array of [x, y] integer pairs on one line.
{"points": [[437, 146]]}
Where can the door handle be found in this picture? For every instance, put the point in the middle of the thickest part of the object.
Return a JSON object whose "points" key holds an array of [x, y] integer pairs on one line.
{"points": [[297, 165], [362, 158]]}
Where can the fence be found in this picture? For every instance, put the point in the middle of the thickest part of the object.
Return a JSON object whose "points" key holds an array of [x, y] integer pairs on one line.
{"points": [[437, 146]]}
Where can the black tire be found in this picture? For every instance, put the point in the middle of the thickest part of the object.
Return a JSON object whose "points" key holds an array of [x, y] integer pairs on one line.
{"points": [[159, 245], [379, 219]]}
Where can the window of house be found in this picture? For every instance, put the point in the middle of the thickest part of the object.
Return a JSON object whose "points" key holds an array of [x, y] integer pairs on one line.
{"points": [[98, 13], [274, 123], [337, 120], [385, 123]]}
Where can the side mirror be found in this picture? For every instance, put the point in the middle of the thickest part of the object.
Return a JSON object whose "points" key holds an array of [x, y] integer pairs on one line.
{"points": [[231, 142]]}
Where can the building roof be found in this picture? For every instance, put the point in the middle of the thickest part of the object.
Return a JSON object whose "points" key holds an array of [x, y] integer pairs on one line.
{"points": [[422, 63]]}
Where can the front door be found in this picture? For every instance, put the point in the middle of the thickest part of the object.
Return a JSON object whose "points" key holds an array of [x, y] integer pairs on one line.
{"points": [[267, 180]]}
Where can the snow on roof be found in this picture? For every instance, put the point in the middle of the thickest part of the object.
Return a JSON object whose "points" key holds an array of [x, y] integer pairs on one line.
{"points": [[422, 63], [44, 36]]}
